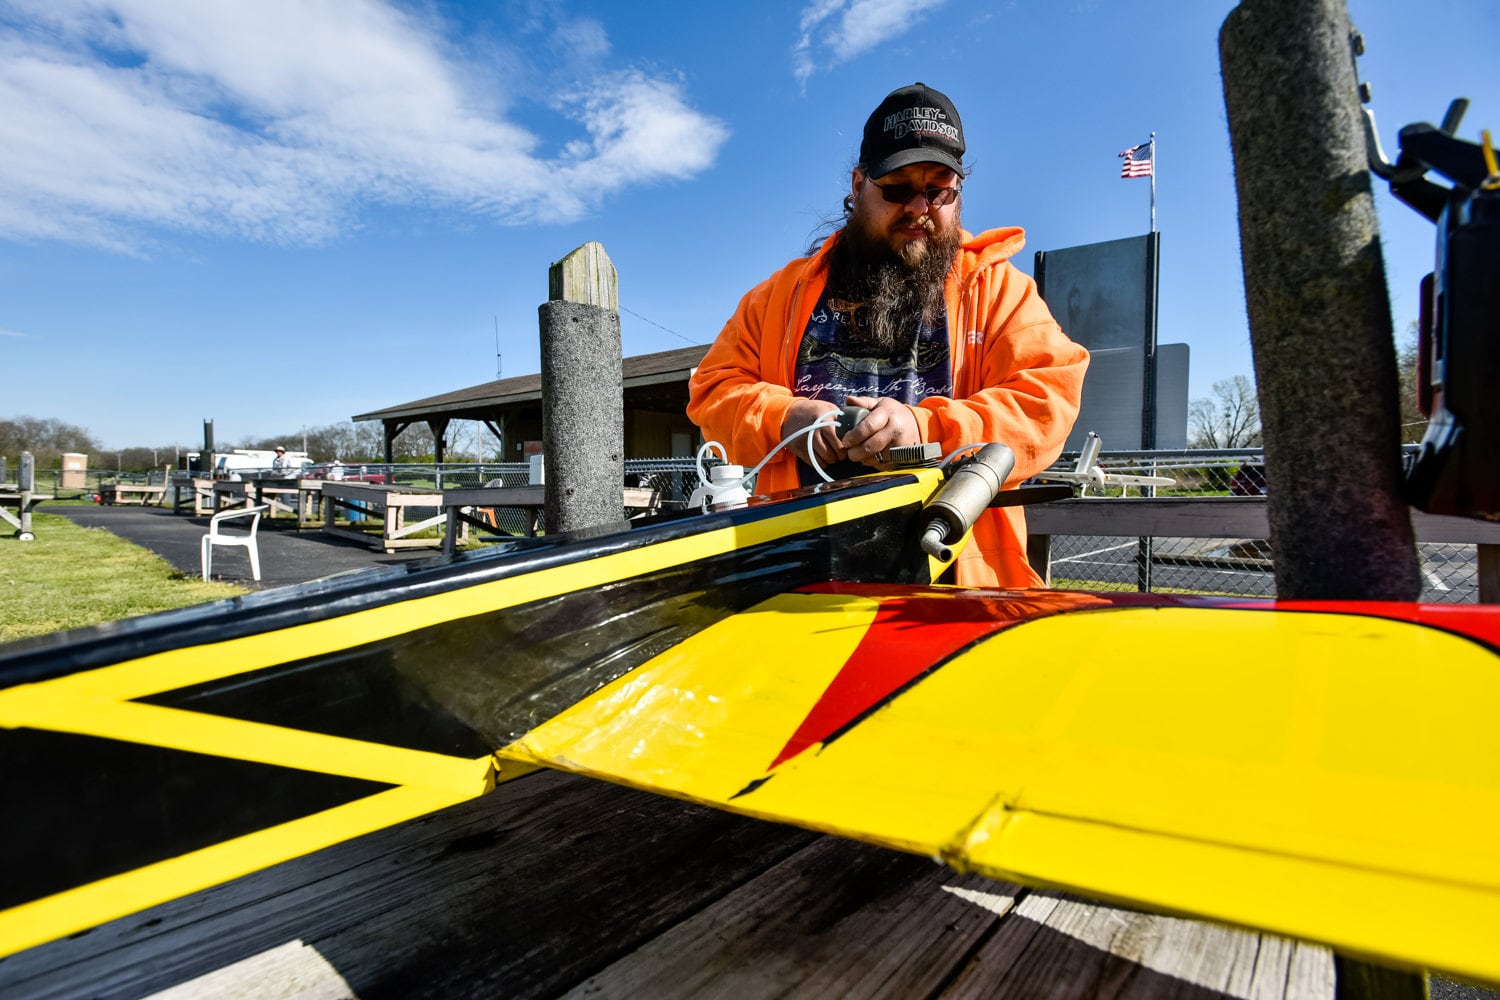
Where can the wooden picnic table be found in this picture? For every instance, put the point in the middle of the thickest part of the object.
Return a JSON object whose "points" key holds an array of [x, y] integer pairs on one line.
{"points": [[309, 503], [282, 495], [192, 495], [228, 493], [558, 885]]}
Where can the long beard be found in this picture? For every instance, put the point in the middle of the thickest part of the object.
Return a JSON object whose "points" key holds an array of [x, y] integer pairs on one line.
{"points": [[897, 293]]}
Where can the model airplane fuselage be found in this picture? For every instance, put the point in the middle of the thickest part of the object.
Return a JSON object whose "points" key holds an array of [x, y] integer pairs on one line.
{"points": [[787, 658]]}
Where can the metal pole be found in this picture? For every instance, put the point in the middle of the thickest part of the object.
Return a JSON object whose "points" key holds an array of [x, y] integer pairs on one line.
{"points": [[1153, 181]]}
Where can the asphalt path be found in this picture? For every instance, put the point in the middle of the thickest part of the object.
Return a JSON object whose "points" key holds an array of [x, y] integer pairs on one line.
{"points": [[287, 555]]}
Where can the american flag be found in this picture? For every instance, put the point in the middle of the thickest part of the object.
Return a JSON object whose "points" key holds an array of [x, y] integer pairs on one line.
{"points": [[1137, 161]]}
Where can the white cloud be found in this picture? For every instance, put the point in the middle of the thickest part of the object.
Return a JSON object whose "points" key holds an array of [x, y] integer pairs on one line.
{"points": [[584, 39], [835, 31], [275, 120]]}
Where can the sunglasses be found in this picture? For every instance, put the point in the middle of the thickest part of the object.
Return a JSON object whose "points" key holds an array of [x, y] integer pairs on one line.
{"points": [[902, 194]]}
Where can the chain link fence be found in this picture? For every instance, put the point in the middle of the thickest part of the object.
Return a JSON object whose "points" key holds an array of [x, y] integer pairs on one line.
{"points": [[1232, 566], [1224, 565], [80, 484]]}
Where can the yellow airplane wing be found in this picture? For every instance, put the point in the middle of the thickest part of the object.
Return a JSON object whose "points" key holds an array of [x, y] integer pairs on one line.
{"points": [[1322, 774]]}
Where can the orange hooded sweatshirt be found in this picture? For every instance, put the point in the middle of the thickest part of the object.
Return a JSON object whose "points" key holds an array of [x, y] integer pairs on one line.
{"points": [[1017, 379]]}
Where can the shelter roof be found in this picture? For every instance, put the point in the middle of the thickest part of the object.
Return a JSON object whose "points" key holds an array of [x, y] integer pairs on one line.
{"points": [[639, 372]]}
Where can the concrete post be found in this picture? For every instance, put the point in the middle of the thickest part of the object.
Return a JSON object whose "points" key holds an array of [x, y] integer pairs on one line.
{"points": [[1320, 323], [583, 393], [26, 474]]}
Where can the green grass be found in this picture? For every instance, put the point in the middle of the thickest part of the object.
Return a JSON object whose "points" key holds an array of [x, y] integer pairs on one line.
{"points": [[72, 576]]}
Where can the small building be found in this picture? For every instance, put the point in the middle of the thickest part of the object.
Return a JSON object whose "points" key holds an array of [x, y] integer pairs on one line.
{"points": [[656, 395]]}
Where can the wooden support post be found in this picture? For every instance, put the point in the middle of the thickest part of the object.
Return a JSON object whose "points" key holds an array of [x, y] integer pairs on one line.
{"points": [[1039, 554], [1489, 574], [583, 393], [586, 276]]}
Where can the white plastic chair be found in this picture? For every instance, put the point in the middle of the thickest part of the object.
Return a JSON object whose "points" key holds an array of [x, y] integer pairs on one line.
{"points": [[215, 537]]}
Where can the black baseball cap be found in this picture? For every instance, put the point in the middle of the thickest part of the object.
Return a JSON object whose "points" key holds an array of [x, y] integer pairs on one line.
{"points": [[914, 124]]}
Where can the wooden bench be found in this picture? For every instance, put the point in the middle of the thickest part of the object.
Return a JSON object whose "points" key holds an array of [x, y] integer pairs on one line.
{"points": [[385, 509], [463, 506], [232, 493]]}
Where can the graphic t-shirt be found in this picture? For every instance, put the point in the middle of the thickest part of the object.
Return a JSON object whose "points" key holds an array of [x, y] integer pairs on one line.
{"points": [[831, 366]]}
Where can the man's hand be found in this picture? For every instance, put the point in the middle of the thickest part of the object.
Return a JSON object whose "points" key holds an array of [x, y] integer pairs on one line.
{"points": [[825, 440], [887, 425]]}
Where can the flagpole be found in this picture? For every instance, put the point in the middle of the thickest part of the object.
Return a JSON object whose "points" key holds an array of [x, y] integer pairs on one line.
{"points": [[1153, 181]]}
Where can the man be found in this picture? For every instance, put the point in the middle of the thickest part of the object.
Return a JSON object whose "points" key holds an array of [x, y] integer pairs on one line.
{"points": [[904, 313], [281, 465]]}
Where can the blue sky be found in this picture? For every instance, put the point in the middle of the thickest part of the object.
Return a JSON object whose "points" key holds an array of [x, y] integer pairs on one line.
{"points": [[277, 214]]}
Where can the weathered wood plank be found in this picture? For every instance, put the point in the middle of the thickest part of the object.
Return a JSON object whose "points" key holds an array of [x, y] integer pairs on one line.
{"points": [[549, 912], [1216, 517], [586, 275], [293, 971], [836, 919], [1489, 574], [523, 892], [1212, 517], [1056, 946], [557, 884]]}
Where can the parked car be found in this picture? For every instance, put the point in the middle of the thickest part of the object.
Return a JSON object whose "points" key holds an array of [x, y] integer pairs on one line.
{"points": [[1249, 481], [348, 473]]}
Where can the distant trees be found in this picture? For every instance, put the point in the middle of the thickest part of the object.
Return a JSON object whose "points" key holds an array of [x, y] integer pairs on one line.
{"points": [[47, 440], [1230, 418], [468, 441], [347, 442]]}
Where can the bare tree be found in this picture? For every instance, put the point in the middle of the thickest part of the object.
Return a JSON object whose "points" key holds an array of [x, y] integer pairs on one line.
{"points": [[347, 442], [415, 443], [463, 441], [1230, 418], [1413, 420]]}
